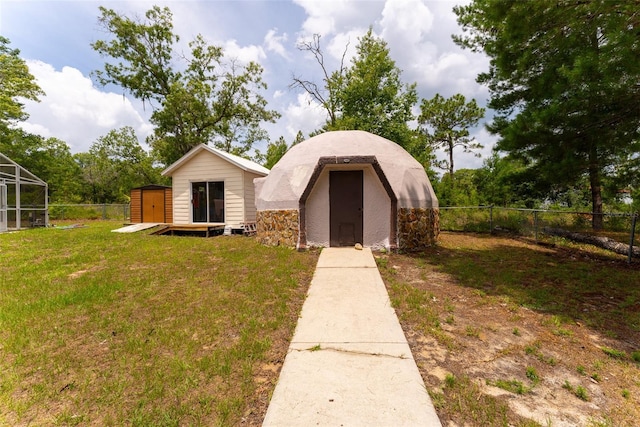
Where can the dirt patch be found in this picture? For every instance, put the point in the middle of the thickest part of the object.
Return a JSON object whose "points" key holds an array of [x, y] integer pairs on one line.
{"points": [[543, 358]]}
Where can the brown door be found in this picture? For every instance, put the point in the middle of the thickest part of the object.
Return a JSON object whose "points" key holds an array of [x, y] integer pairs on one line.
{"points": [[345, 208], [153, 206]]}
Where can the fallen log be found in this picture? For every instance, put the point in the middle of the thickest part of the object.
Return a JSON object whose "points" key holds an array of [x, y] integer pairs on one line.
{"points": [[600, 241]]}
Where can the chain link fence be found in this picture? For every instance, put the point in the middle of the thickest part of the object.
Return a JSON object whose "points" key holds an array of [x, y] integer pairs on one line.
{"points": [[539, 224], [75, 212]]}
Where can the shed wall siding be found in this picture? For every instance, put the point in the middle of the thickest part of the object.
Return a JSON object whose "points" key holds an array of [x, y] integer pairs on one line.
{"points": [[168, 206], [208, 167], [136, 206]]}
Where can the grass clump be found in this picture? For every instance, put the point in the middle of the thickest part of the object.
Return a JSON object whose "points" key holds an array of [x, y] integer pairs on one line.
{"points": [[513, 386], [580, 392], [614, 354], [532, 374], [472, 331], [450, 380], [534, 349]]}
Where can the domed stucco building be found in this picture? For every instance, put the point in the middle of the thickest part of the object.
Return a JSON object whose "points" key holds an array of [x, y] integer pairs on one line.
{"points": [[346, 187]]}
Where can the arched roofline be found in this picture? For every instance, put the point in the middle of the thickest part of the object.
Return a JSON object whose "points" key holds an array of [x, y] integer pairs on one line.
{"points": [[347, 160]]}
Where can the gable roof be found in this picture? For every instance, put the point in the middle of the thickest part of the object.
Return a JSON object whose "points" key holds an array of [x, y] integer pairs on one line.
{"points": [[242, 163]]}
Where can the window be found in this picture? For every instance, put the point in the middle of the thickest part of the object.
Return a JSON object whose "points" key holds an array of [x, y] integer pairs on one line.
{"points": [[207, 199]]}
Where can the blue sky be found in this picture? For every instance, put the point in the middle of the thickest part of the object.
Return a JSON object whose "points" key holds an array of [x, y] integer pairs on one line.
{"points": [[54, 38]]}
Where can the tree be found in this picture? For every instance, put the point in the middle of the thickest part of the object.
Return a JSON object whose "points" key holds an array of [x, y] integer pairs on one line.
{"points": [[367, 95], [197, 99], [464, 193], [276, 150], [372, 96], [502, 181], [49, 159], [327, 96], [16, 82], [447, 124], [114, 165], [565, 82]]}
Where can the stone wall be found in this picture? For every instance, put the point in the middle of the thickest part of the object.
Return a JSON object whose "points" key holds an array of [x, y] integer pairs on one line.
{"points": [[418, 228], [278, 228]]}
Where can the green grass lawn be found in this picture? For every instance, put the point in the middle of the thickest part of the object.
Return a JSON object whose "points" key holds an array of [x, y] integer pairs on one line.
{"points": [[132, 329]]}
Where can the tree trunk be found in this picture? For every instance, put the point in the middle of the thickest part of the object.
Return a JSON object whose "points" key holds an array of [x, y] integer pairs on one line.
{"points": [[600, 241], [597, 221], [451, 160]]}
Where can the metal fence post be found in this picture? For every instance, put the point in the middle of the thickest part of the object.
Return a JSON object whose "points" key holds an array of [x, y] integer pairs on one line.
{"points": [[535, 224], [491, 219], [633, 235], [104, 211]]}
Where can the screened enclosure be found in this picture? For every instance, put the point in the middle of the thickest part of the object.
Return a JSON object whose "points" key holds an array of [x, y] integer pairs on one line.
{"points": [[23, 197]]}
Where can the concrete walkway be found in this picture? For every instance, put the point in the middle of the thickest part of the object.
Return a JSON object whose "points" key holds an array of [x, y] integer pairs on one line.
{"points": [[349, 363]]}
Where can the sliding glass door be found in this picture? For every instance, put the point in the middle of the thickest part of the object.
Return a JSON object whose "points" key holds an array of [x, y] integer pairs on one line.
{"points": [[207, 200]]}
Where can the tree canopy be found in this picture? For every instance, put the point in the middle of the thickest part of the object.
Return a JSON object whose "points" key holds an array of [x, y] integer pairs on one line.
{"points": [[114, 165], [50, 159], [16, 83], [199, 98], [447, 121], [372, 96], [565, 83], [368, 94], [275, 150]]}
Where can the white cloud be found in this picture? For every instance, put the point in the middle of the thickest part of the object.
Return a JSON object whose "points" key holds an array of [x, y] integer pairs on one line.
{"points": [[345, 40], [244, 54], [418, 34], [76, 112], [305, 115], [329, 17], [408, 20], [274, 43]]}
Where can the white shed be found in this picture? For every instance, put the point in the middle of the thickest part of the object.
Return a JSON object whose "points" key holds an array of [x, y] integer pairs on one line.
{"points": [[213, 187]]}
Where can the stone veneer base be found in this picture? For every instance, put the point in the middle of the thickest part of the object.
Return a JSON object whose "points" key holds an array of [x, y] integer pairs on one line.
{"points": [[418, 228], [278, 227]]}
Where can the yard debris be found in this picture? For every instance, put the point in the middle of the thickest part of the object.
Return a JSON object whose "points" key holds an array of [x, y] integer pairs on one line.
{"points": [[600, 241], [69, 227]]}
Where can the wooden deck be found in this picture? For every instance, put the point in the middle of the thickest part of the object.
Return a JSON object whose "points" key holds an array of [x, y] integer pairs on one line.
{"points": [[206, 230]]}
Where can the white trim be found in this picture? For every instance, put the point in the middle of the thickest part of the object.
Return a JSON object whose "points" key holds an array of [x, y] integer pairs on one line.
{"points": [[207, 181], [244, 164]]}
